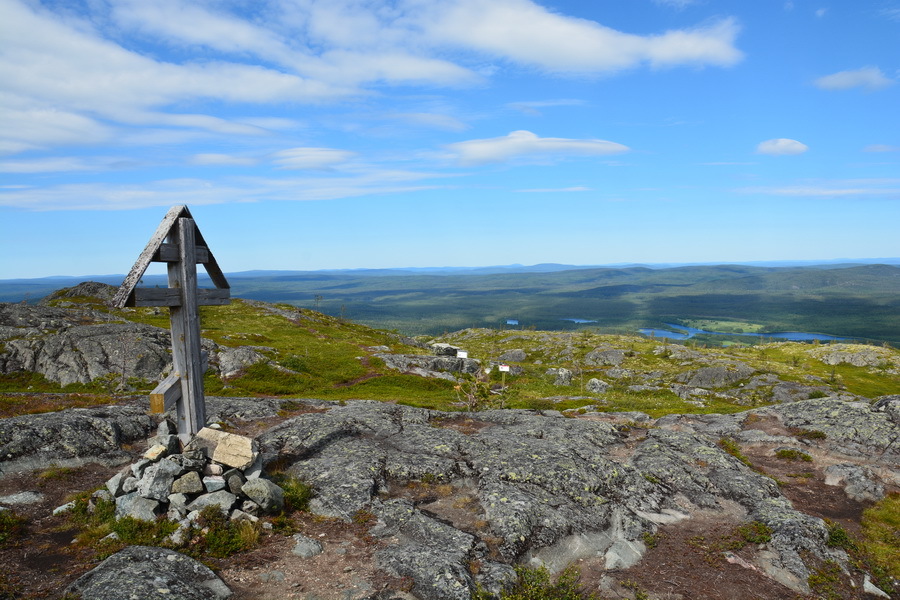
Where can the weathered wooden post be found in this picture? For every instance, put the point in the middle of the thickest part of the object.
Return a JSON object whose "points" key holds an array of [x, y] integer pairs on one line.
{"points": [[178, 243]]}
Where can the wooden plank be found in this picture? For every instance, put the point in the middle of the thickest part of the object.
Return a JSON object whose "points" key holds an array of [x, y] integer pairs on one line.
{"points": [[124, 293], [212, 267], [172, 297], [157, 297], [186, 332], [166, 394], [169, 253]]}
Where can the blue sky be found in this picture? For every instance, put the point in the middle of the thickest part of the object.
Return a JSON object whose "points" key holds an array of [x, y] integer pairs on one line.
{"points": [[314, 134]]}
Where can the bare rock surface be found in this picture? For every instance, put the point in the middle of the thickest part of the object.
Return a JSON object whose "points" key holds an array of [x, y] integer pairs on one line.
{"points": [[549, 490], [150, 574], [71, 437], [453, 500]]}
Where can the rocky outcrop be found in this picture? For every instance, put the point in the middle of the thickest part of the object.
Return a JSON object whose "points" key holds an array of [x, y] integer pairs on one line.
{"points": [[84, 345], [716, 376], [549, 490], [71, 438], [442, 366], [605, 357], [857, 355], [498, 487], [151, 574]]}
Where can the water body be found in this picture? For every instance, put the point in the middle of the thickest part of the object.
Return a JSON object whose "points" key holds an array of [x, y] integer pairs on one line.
{"points": [[581, 320], [683, 332]]}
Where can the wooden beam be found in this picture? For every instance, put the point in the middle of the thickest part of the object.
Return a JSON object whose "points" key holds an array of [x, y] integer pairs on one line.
{"points": [[185, 320], [124, 293], [169, 253], [172, 297], [166, 394]]}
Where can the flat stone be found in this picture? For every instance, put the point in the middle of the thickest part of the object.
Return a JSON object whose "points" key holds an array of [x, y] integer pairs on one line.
{"points": [[306, 547], [189, 483], [234, 479], [225, 448], [223, 499], [136, 506], [268, 495], [22, 498], [154, 453], [214, 483], [157, 480], [151, 574]]}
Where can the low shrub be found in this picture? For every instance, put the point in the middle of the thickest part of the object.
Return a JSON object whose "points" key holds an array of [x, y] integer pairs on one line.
{"points": [[792, 454], [538, 584], [12, 526]]}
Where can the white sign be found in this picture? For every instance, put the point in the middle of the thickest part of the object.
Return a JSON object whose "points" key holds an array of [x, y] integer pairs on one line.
{"points": [[462, 354], [504, 368]]}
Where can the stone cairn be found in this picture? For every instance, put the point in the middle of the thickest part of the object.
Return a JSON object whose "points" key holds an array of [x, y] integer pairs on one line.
{"points": [[214, 469]]}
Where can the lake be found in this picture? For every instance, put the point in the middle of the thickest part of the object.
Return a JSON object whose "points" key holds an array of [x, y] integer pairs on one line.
{"points": [[683, 332]]}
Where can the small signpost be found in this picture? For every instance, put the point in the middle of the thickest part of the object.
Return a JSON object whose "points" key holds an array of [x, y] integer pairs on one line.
{"points": [[504, 369], [178, 243]]}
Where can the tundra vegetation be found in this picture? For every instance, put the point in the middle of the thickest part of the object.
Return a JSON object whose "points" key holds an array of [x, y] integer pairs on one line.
{"points": [[299, 353]]}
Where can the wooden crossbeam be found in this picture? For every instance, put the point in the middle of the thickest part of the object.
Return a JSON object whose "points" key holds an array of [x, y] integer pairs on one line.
{"points": [[169, 253], [178, 243], [172, 297], [162, 249]]}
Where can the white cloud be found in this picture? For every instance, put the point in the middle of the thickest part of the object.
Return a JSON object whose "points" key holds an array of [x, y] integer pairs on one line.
{"points": [[679, 4], [577, 188], [36, 128], [781, 147], [165, 193], [881, 148], [53, 165], [311, 158], [520, 143], [222, 160], [524, 32], [431, 120], [870, 78], [531, 108], [834, 189], [821, 12], [891, 13]]}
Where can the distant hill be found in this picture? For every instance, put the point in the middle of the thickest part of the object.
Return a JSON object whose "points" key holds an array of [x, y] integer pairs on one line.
{"points": [[850, 300]]}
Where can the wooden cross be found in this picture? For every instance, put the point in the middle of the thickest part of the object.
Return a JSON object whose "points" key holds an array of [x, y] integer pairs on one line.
{"points": [[178, 243]]}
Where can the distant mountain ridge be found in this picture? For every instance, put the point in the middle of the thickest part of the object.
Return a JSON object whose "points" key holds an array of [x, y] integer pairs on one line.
{"points": [[860, 301]]}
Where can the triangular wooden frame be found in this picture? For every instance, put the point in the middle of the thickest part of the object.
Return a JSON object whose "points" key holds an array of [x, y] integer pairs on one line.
{"points": [[158, 251]]}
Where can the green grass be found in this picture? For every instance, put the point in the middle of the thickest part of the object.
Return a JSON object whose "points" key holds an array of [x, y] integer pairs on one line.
{"points": [[792, 454], [881, 535], [12, 526], [310, 354], [538, 584]]}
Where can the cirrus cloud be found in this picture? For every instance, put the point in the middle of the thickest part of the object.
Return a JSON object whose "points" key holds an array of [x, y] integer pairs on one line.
{"points": [[311, 158], [870, 78], [521, 143], [781, 147]]}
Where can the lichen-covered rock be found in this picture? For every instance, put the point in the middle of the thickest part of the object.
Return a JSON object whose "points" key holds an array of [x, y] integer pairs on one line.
{"points": [[151, 574], [269, 496], [859, 482], [852, 428], [563, 377], [517, 355], [71, 437], [431, 553], [716, 376], [605, 357], [858, 355], [597, 386], [83, 353], [442, 366]]}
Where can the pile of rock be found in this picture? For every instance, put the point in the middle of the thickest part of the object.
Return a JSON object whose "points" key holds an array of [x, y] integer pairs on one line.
{"points": [[214, 469]]}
